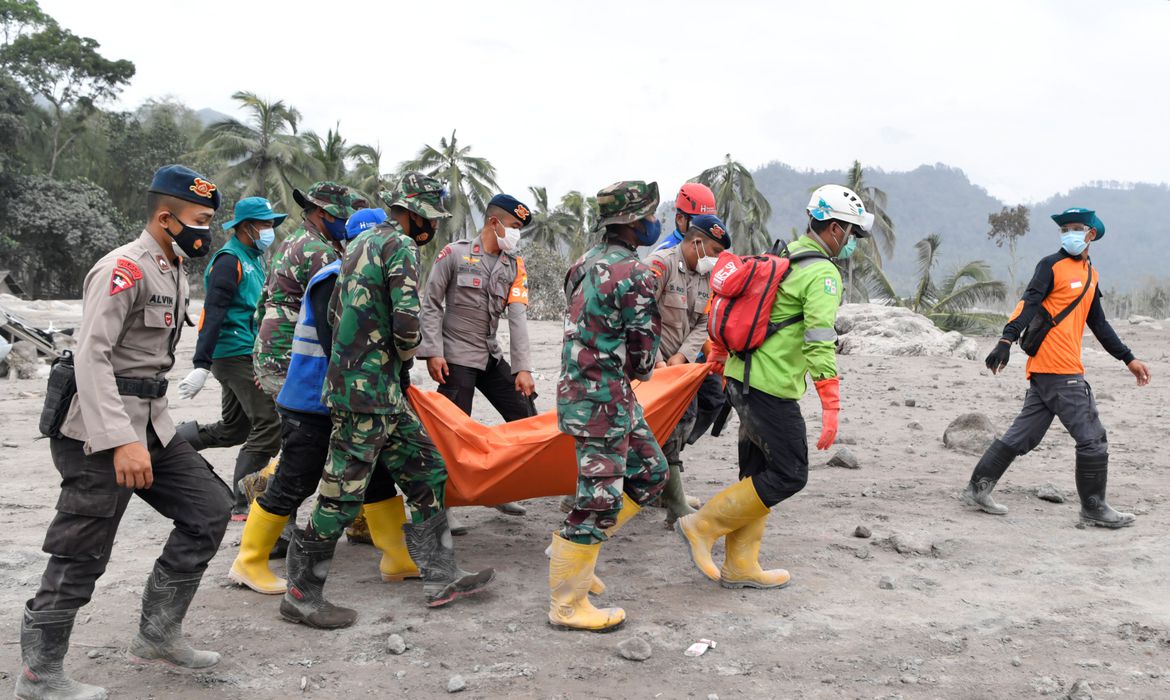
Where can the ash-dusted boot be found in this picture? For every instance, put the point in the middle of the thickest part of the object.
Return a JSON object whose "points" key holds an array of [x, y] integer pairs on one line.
{"points": [[44, 641], [165, 601], [741, 567], [250, 568], [988, 470], [307, 568], [431, 548], [629, 509], [1092, 476], [385, 520], [730, 509], [570, 573], [247, 463]]}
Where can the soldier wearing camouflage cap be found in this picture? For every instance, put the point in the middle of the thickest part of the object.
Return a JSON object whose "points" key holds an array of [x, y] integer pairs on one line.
{"points": [[318, 242], [612, 329], [376, 305]]}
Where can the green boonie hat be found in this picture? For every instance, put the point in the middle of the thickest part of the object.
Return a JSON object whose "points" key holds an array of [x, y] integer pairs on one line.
{"points": [[336, 199], [627, 201], [421, 194]]}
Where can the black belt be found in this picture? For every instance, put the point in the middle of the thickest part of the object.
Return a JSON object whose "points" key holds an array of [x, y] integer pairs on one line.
{"points": [[142, 387]]}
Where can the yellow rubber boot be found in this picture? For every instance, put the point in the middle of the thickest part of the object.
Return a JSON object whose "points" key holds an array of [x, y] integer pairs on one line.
{"points": [[730, 509], [570, 571], [385, 519], [629, 510], [261, 530], [741, 568]]}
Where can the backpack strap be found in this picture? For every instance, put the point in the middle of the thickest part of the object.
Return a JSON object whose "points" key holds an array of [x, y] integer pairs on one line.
{"points": [[1068, 309]]}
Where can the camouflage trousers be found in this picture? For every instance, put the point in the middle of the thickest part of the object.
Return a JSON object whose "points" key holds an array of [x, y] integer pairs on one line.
{"points": [[607, 467], [363, 442]]}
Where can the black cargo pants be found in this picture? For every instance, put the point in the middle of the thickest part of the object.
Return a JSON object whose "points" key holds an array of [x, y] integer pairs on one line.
{"points": [[495, 382], [185, 491]]}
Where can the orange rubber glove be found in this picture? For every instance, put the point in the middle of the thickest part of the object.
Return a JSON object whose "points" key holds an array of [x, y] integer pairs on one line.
{"points": [[830, 392]]}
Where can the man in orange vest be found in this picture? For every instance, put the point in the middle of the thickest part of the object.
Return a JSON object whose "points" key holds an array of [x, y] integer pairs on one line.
{"points": [[1063, 296]]}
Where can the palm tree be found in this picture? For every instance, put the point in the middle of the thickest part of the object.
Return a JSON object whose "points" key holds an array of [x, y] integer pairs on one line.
{"points": [[953, 303], [471, 182], [579, 215], [868, 258], [264, 156], [366, 175], [329, 153], [545, 228], [743, 208]]}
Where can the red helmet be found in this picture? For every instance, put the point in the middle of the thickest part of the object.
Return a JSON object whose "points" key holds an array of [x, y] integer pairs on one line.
{"points": [[695, 199]]}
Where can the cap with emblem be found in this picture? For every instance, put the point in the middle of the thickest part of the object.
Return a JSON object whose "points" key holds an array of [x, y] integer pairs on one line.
{"points": [[254, 209], [421, 194], [362, 220], [514, 207], [713, 228], [182, 182], [338, 200], [1077, 215], [627, 201]]}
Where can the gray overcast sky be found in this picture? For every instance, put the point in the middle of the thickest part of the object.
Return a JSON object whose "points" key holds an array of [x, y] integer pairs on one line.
{"points": [[1029, 97]]}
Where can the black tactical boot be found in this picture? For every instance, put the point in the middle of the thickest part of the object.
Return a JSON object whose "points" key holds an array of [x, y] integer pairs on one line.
{"points": [[307, 567], [430, 546], [189, 431], [246, 463], [160, 632], [44, 640], [1092, 475], [990, 468]]}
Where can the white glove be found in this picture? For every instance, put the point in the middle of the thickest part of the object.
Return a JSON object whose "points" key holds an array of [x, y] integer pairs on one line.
{"points": [[193, 383]]}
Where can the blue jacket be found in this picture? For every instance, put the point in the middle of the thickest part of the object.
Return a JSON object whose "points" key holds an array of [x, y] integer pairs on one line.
{"points": [[310, 351]]}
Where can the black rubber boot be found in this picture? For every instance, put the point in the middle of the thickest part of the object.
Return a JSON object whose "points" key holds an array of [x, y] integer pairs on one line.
{"points": [[280, 549], [307, 567], [1092, 476], [990, 468], [160, 632], [431, 547], [44, 641], [189, 431]]}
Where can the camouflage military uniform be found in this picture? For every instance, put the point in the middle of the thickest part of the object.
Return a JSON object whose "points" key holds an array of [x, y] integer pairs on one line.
{"points": [[377, 307], [612, 331], [294, 262]]}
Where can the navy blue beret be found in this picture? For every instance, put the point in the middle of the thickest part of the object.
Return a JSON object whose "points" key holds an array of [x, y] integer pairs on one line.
{"points": [[184, 183], [1077, 215], [712, 227], [514, 207]]}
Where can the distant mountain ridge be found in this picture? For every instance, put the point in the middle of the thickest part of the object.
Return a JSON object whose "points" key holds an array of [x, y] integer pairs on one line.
{"points": [[941, 199]]}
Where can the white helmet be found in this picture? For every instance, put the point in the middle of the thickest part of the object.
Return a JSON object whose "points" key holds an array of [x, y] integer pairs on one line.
{"points": [[841, 203]]}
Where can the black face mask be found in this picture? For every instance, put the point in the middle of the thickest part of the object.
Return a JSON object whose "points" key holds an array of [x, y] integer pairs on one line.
{"points": [[190, 241], [423, 234]]}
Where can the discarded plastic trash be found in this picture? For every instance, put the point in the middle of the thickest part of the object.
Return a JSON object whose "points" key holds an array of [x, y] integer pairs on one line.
{"points": [[700, 647]]}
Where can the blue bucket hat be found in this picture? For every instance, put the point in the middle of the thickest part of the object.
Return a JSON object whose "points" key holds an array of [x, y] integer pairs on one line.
{"points": [[254, 209], [1077, 215]]}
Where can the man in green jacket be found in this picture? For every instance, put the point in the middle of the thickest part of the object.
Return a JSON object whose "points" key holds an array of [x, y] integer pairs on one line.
{"points": [[227, 331], [773, 447]]}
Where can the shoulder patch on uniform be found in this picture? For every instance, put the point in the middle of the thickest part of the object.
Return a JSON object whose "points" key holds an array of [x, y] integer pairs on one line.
{"points": [[120, 280], [134, 270], [830, 286], [443, 253], [658, 267]]}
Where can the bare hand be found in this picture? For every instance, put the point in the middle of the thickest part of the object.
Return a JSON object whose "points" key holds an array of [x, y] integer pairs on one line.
{"points": [[659, 365], [437, 367], [714, 367], [676, 359], [524, 383], [132, 466], [1139, 370]]}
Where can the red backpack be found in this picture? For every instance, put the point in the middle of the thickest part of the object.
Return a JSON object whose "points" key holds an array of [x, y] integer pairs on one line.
{"points": [[744, 290]]}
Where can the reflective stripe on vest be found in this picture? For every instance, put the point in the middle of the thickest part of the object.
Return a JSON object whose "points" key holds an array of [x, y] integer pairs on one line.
{"points": [[308, 363]]}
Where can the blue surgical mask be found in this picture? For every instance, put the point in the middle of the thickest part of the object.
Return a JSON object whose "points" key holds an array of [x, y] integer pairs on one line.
{"points": [[1073, 242], [336, 229], [265, 238], [649, 232], [848, 249]]}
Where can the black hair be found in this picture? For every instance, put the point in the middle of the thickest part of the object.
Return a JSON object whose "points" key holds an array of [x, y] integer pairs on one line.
{"points": [[495, 211], [157, 200], [819, 227]]}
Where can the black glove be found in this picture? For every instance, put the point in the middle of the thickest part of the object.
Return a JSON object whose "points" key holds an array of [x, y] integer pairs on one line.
{"points": [[999, 356], [404, 375]]}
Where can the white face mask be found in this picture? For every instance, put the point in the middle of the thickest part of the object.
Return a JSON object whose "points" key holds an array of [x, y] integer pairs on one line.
{"points": [[509, 240], [705, 263]]}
